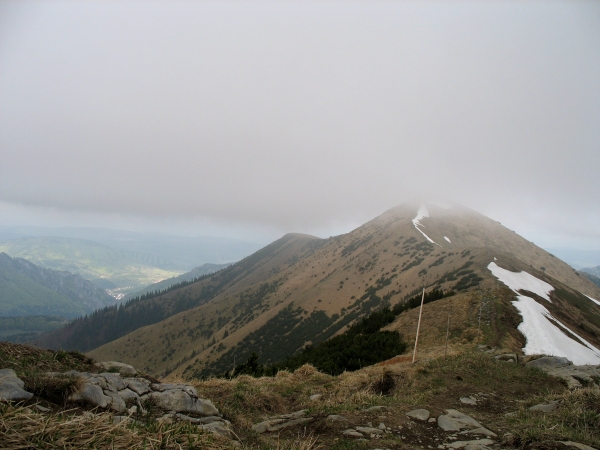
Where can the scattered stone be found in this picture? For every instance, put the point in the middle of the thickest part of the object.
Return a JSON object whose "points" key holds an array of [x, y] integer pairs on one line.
{"points": [[420, 414], [470, 445], [138, 385], [218, 427], [315, 397], [116, 402], [276, 423], [42, 408], [124, 369], [549, 407], [128, 395], [181, 401], [376, 408], [369, 430], [481, 430], [167, 419], [468, 400], [577, 445], [352, 433], [12, 387], [507, 357], [455, 420], [432, 419], [382, 426], [336, 418], [119, 419]]}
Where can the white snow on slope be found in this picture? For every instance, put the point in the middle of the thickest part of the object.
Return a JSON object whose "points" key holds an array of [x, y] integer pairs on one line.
{"points": [[422, 213], [521, 280], [542, 331], [448, 239], [593, 299], [544, 337]]}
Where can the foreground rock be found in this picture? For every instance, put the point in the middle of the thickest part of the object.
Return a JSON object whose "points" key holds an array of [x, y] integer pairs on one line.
{"points": [[454, 420], [12, 387], [111, 366], [419, 414], [575, 376], [277, 423]]}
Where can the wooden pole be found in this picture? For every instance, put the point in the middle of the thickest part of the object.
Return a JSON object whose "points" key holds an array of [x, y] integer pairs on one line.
{"points": [[418, 327], [447, 332]]}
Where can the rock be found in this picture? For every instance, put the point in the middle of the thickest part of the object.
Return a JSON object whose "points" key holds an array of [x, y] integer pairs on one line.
{"points": [[431, 419], [336, 418], [545, 408], [549, 362], [162, 387], [128, 395], [124, 369], [180, 401], [11, 387], [376, 408], [480, 430], [382, 426], [116, 404], [468, 400], [577, 445], [455, 420], [219, 428], [42, 408], [92, 394], [276, 423], [369, 430], [352, 433], [420, 414], [113, 381], [471, 445], [138, 385], [507, 357], [315, 397], [576, 376], [132, 410]]}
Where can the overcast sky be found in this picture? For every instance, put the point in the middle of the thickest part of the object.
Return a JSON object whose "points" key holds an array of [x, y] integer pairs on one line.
{"points": [[252, 119]]}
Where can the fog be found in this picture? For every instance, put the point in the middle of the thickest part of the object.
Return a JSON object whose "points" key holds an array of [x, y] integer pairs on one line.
{"points": [[252, 119]]}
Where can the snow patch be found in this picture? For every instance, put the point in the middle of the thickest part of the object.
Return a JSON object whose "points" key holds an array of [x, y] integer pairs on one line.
{"points": [[541, 330], [521, 280], [544, 337], [422, 213], [593, 299], [448, 239]]}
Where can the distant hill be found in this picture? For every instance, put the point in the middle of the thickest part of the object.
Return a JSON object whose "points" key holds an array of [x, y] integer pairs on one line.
{"points": [[96, 262], [592, 274], [180, 253], [30, 290], [301, 290], [196, 272]]}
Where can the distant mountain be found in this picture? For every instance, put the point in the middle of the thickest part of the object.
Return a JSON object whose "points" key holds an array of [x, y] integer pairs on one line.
{"points": [[577, 258], [301, 290], [30, 290], [96, 262], [180, 253], [196, 272], [592, 274]]}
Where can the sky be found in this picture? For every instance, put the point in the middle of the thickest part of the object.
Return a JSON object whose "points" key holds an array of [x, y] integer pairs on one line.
{"points": [[253, 119]]}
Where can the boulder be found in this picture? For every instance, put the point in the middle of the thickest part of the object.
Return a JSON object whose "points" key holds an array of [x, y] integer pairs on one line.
{"points": [[114, 382], [11, 387], [549, 362], [180, 401], [128, 395], [124, 369], [92, 394], [468, 401], [138, 385], [507, 357], [116, 402], [369, 430], [419, 414], [336, 418], [549, 407], [277, 423]]}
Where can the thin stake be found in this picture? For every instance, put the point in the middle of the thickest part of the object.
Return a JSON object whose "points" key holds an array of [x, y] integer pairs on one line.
{"points": [[418, 327], [447, 332]]}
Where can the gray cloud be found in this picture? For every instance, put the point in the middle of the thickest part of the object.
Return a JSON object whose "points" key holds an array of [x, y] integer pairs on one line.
{"points": [[307, 116]]}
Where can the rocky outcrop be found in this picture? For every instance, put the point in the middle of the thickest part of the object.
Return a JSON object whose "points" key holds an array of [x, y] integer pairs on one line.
{"points": [[110, 366], [12, 387], [277, 423], [574, 376]]}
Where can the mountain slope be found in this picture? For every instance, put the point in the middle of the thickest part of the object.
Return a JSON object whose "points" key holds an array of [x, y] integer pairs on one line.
{"points": [[29, 290], [319, 286]]}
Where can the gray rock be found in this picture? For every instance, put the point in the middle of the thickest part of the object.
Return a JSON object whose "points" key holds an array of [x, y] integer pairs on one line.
{"points": [[507, 357], [470, 445], [113, 380], [92, 394], [276, 423], [124, 369], [549, 407], [42, 408], [455, 420], [11, 387], [420, 414], [369, 430], [219, 428], [200, 420], [116, 402], [315, 397], [376, 408], [468, 400], [138, 385], [162, 387], [382, 426], [336, 418], [549, 362], [180, 401], [577, 445], [481, 430], [352, 433], [128, 395]]}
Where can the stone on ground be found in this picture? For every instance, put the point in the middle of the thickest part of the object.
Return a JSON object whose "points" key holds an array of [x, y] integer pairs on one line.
{"points": [[549, 407], [124, 369], [11, 387], [420, 414]]}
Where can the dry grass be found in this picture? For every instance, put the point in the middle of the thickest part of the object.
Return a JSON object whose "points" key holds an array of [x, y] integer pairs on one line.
{"points": [[22, 428]]}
